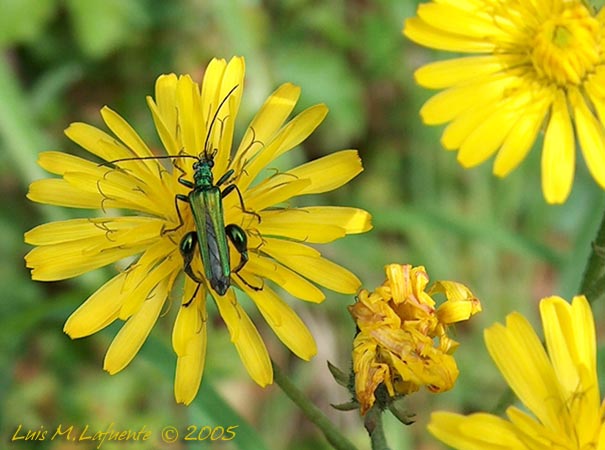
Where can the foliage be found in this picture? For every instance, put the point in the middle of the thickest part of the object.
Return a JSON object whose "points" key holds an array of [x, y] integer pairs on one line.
{"points": [[64, 60]]}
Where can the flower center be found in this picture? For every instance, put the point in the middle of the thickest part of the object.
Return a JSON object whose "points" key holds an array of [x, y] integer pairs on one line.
{"points": [[567, 46]]}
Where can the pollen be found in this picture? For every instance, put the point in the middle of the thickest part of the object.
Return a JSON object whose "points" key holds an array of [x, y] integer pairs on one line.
{"points": [[566, 47]]}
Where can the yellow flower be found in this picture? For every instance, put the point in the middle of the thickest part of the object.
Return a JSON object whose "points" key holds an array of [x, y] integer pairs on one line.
{"points": [[534, 65], [402, 340], [198, 123], [560, 389]]}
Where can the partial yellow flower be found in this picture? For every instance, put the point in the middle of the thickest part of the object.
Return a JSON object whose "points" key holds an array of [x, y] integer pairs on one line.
{"points": [[535, 65], [194, 121], [559, 390], [402, 341]]}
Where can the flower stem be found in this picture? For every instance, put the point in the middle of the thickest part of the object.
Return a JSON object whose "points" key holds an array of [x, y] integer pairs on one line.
{"points": [[373, 423], [593, 281], [312, 412]]}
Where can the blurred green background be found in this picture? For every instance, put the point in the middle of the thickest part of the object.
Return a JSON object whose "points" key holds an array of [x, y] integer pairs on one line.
{"points": [[63, 60]]}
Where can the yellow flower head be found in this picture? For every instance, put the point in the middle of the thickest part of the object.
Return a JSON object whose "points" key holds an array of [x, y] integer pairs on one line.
{"points": [[560, 389], [195, 125], [402, 340], [535, 65]]}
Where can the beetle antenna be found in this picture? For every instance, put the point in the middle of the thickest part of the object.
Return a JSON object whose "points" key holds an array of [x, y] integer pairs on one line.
{"points": [[144, 158], [223, 101]]}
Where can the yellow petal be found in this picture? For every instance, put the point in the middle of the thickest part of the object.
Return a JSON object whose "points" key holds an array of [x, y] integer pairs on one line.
{"points": [[329, 172], [164, 111], [558, 332], [269, 118], [451, 72], [434, 369], [167, 134], [461, 303], [67, 260], [476, 24], [452, 312], [591, 137], [287, 279], [596, 93], [424, 34], [284, 247], [190, 319], [284, 322], [233, 76], [245, 337], [189, 369], [211, 87], [133, 334], [458, 100], [297, 130], [320, 270], [189, 341], [190, 116], [407, 282], [558, 154], [294, 224], [352, 220], [521, 359], [532, 431], [315, 224], [600, 439], [209, 102], [583, 326], [475, 432], [126, 229], [569, 331], [60, 162], [369, 373], [125, 133], [288, 137], [522, 136], [490, 133], [98, 311], [146, 274], [55, 191], [274, 191], [118, 189], [454, 291], [99, 143]]}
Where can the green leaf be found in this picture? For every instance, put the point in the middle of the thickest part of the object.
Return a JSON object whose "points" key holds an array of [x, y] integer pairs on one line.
{"points": [[325, 77], [490, 233], [339, 376], [102, 26], [23, 20], [406, 418], [349, 406]]}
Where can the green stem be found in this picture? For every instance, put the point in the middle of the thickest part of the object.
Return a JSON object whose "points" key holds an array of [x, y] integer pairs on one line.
{"points": [[311, 411], [592, 282], [373, 423]]}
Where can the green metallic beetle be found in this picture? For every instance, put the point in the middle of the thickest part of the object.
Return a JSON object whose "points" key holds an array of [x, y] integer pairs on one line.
{"points": [[206, 202]]}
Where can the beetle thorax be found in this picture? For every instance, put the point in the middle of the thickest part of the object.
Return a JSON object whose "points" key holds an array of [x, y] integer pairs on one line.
{"points": [[202, 173]]}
